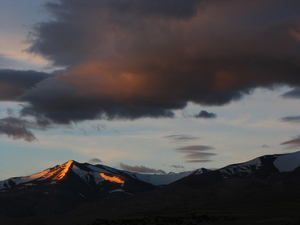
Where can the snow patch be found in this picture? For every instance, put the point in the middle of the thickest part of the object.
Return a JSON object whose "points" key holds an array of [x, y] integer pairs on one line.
{"points": [[85, 175], [287, 163], [120, 190], [246, 167], [30, 184], [202, 170], [94, 168], [82, 195], [15, 181]]}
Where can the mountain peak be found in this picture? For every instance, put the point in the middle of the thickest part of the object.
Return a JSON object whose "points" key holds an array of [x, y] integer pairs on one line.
{"points": [[56, 173], [63, 170]]}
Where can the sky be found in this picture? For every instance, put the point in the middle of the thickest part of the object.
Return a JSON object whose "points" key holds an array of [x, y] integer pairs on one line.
{"points": [[147, 85]]}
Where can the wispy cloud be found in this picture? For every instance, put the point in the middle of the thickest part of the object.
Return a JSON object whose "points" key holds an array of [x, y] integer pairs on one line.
{"points": [[181, 137], [178, 167], [17, 128], [140, 169], [94, 161], [198, 161], [195, 148], [199, 157], [99, 127], [292, 119], [194, 153], [292, 144]]}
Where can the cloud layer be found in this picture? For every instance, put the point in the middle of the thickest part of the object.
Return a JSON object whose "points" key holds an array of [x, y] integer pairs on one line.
{"points": [[14, 83], [142, 58], [194, 148], [195, 154]]}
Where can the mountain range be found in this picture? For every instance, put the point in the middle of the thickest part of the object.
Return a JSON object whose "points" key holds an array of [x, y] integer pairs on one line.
{"points": [[89, 192]]}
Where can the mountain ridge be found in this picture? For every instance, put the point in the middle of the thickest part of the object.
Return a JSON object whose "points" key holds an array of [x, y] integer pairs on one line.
{"points": [[59, 171], [63, 188], [276, 163]]}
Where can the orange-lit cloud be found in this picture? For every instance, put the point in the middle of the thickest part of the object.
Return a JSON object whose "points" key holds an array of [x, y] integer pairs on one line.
{"points": [[103, 80], [225, 80], [295, 34]]}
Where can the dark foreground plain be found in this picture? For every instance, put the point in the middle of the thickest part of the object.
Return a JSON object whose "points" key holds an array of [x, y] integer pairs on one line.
{"points": [[234, 201], [283, 214], [276, 215]]}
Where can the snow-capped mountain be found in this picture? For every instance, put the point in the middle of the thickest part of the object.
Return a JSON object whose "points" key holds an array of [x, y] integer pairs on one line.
{"points": [[92, 175], [62, 188], [264, 166], [268, 168]]}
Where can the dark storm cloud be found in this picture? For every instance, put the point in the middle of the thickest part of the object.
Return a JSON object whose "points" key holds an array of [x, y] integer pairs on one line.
{"points": [[95, 161], [292, 119], [140, 169], [176, 9], [63, 39], [180, 137], [65, 104], [195, 148], [295, 93], [14, 83], [144, 58], [292, 144], [206, 115], [17, 128]]}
